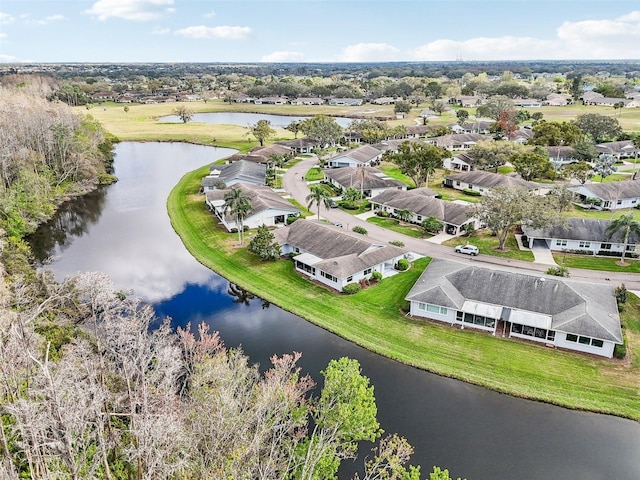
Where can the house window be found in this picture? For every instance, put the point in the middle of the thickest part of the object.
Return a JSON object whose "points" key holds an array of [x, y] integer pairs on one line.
{"points": [[562, 243], [634, 201], [584, 340], [596, 343], [605, 246], [419, 218], [571, 337], [436, 309], [585, 244], [457, 184], [631, 248], [367, 271], [459, 315], [296, 249], [619, 202], [349, 278]]}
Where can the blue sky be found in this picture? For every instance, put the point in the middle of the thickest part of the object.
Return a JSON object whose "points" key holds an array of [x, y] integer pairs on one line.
{"points": [[316, 30]]}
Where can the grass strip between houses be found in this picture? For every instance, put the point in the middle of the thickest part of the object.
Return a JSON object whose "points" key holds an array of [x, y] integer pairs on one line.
{"points": [[374, 320]]}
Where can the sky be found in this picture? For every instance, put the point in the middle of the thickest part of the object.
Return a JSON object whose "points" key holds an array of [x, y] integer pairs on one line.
{"points": [[249, 31]]}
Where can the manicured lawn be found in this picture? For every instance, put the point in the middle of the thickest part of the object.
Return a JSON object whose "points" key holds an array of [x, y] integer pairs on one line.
{"points": [[505, 169], [400, 227], [580, 212], [592, 262], [488, 245], [394, 172], [614, 177], [373, 319], [314, 174]]}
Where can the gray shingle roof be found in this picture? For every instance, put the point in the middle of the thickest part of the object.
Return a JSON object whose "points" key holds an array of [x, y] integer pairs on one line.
{"points": [[242, 170], [612, 190], [362, 154], [261, 198], [373, 178], [342, 254], [490, 180], [593, 230], [575, 307], [421, 202]]}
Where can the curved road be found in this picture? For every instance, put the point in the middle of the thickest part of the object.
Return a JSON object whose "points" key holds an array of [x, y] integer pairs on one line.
{"points": [[296, 186]]}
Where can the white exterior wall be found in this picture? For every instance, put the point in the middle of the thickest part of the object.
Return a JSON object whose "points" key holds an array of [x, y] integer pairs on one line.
{"points": [[594, 247], [449, 318], [606, 350], [622, 203], [467, 186]]}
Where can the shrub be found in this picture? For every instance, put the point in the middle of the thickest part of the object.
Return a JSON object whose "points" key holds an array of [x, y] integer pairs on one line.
{"points": [[351, 288], [359, 229], [560, 271], [376, 276], [620, 351], [290, 220], [621, 296], [397, 243], [382, 213], [472, 193], [233, 230], [402, 265], [348, 205]]}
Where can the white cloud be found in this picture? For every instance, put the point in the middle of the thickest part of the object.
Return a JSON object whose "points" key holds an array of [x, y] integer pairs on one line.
{"points": [[8, 59], [160, 31], [225, 32], [283, 57], [369, 52], [51, 19], [141, 10], [590, 39], [5, 18], [210, 14]]}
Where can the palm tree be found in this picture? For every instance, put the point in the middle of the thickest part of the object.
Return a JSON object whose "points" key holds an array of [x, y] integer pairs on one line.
{"points": [[318, 196], [627, 224], [237, 203], [361, 174], [404, 214]]}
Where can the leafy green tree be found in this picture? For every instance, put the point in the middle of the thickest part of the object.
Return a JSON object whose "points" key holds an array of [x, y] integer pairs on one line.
{"points": [[581, 171], [433, 89], [439, 107], [462, 115], [626, 224], [322, 128], [505, 207], [561, 198], [601, 128], [402, 107], [532, 165], [389, 459], [262, 131], [431, 225], [351, 194], [604, 166], [418, 161], [439, 474], [318, 196], [404, 214], [371, 130], [183, 113], [294, 127], [555, 134], [491, 155], [237, 203], [344, 414], [494, 107], [264, 245], [585, 149]]}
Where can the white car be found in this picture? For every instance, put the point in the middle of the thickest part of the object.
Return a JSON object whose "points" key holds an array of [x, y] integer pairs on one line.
{"points": [[468, 249]]}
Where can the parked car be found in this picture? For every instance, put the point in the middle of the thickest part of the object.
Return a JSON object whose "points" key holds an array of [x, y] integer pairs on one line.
{"points": [[468, 249]]}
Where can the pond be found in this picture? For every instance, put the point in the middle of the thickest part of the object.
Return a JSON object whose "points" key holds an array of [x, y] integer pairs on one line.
{"points": [[246, 119], [124, 231]]}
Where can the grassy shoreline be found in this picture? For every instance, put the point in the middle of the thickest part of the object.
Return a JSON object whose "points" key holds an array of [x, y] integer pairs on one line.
{"points": [[373, 320]]}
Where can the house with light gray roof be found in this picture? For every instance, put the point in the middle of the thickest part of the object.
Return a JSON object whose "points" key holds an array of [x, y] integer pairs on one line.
{"points": [[357, 157], [482, 182], [421, 202], [581, 235], [267, 207], [228, 175], [549, 310], [329, 255], [612, 195], [368, 180]]}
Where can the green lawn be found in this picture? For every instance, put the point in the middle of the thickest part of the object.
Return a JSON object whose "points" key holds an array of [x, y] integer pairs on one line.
{"points": [[580, 212], [401, 227], [614, 177], [373, 319], [314, 174], [488, 245], [394, 172], [591, 262]]}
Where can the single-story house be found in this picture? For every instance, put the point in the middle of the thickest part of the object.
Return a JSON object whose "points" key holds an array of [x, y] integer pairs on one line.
{"points": [[269, 150], [462, 162], [467, 100], [482, 182], [619, 149], [329, 255], [557, 100], [270, 100], [527, 103], [267, 207], [365, 155], [249, 173], [480, 126], [346, 101], [392, 145], [369, 180], [612, 196], [550, 310], [307, 101], [460, 141], [300, 145], [581, 235], [522, 135], [421, 202], [562, 155], [383, 101], [417, 131]]}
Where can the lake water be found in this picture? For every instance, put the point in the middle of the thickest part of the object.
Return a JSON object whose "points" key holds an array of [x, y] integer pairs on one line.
{"points": [[124, 231], [246, 119]]}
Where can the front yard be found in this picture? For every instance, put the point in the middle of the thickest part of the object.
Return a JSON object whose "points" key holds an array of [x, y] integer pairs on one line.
{"points": [[488, 245], [401, 227]]}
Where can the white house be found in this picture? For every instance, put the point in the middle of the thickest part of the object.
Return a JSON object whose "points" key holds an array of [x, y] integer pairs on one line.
{"points": [[422, 204], [539, 308], [612, 195], [369, 180], [365, 155], [482, 182], [455, 142], [228, 175], [267, 207], [329, 255], [582, 235]]}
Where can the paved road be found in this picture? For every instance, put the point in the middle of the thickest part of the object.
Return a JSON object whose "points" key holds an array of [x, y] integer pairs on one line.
{"points": [[296, 186]]}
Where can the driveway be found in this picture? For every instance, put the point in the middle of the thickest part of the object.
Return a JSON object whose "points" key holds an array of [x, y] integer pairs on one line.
{"points": [[542, 253], [294, 184]]}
